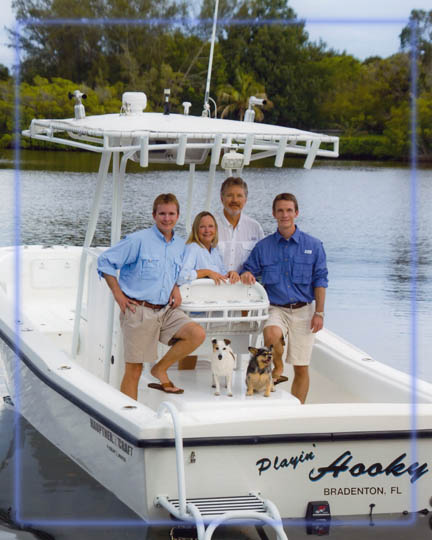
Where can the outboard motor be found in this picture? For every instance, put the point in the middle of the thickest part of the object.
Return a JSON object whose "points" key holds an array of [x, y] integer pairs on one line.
{"points": [[79, 107]]}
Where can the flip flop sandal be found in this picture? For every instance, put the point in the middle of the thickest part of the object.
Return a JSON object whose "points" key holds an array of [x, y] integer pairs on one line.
{"points": [[280, 379], [163, 387]]}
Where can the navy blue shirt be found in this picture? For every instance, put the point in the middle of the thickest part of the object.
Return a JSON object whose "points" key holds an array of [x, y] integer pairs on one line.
{"points": [[290, 269]]}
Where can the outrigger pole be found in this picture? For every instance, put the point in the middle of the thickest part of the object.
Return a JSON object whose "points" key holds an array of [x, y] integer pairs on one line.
{"points": [[206, 111]]}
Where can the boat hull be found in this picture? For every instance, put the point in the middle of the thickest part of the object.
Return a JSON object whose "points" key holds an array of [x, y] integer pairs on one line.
{"points": [[80, 435], [354, 452], [352, 471]]}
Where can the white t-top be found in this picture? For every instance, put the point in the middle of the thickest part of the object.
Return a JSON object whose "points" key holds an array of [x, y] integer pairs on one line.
{"points": [[235, 244]]}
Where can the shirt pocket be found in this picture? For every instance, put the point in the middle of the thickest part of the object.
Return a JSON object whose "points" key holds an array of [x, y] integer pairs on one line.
{"points": [[302, 269], [246, 248], [150, 267], [270, 274]]}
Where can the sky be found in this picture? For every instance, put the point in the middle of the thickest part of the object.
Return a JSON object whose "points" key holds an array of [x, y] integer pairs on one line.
{"points": [[361, 28]]}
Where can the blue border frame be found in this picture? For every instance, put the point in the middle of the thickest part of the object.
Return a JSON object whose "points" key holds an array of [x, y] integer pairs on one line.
{"points": [[17, 230]]}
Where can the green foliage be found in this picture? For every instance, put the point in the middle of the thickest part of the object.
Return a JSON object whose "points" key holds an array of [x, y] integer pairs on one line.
{"points": [[235, 99], [49, 99], [4, 73], [418, 33], [309, 86]]}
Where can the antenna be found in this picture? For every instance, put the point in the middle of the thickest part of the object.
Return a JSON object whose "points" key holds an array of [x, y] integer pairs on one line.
{"points": [[206, 111]]}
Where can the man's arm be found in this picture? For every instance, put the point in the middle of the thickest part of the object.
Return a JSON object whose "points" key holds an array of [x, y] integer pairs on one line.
{"points": [[251, 268], [122, 300], [317, 321], [175, 298]]}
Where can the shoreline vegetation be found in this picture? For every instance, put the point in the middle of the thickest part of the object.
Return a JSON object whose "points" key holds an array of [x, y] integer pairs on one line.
{"points": [[306, 85], [80, 161]]}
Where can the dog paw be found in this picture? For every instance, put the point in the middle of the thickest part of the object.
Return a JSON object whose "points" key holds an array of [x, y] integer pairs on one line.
{"points": [[267, 395], [217, 393], [230, 395]]}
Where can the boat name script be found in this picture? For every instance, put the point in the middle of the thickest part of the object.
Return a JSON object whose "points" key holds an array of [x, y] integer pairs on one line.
{"points": [[342, 464], [110, 436], [264, 464]]}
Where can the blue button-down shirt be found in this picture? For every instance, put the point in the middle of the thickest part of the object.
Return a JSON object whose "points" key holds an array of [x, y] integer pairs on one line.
{"points": [[199, 258], [149, 265], [290, 269]]}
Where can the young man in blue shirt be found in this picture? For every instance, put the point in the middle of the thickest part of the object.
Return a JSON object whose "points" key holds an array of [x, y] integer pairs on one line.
{"points": [[293, 268], [146, 291]]}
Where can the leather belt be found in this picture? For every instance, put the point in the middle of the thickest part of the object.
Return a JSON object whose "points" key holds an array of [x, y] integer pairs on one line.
{"points": [[292, 306], [147, 304]]}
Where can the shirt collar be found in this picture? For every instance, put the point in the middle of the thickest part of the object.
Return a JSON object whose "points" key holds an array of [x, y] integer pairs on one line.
{"points": [[161, 236], [227, 223], [295, 236]]}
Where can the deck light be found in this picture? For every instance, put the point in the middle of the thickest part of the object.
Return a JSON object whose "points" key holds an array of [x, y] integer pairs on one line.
{"points": [[232, 160], [253, 102], [167, 93]]}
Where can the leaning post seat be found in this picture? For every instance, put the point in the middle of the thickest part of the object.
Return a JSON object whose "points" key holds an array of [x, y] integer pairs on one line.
{"points": [[226, 311]]}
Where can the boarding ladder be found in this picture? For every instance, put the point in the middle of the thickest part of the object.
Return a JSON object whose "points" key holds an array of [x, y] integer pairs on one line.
{"points": [[208, 513]]}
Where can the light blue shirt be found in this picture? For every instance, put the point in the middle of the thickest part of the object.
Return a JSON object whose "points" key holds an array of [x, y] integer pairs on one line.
{"points": [[199, 258], [290, 269], [149, 265]]}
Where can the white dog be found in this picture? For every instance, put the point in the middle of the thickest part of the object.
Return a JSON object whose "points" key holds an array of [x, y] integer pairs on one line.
{"points": [[222, 364]]}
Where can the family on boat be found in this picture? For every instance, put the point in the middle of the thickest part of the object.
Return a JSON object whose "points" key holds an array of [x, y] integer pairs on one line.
{"points": [[230, 247]]}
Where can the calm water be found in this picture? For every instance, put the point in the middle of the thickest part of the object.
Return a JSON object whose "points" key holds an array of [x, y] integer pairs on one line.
{"points": [[376, 241]]}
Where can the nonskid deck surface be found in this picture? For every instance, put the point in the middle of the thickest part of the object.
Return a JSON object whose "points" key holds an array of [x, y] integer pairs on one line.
{"points": [[199, 394]]}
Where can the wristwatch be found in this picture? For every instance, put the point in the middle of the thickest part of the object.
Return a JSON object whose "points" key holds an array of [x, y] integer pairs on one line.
{"points": [[319, 313]]}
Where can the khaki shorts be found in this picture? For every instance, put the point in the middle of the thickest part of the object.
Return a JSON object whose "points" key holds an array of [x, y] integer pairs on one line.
{"points": [[143, 329], [295, 326]]}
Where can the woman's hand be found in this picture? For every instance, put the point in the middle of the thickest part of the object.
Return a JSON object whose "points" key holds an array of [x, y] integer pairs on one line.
{"points": [[233, 276], [216, 277]]}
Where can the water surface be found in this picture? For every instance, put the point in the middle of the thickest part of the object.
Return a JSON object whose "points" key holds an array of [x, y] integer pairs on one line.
{"points": [[379, 249]]}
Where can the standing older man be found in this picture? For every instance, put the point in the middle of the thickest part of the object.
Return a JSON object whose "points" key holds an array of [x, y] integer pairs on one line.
{"points": [[238, 233], [148, 296], [294, 273]]}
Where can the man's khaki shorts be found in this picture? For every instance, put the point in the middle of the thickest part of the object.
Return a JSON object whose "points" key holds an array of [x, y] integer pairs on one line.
{"points": [[143, 329], [295, 326]]}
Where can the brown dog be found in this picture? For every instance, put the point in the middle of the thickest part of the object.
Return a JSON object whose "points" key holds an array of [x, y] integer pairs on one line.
{"points": [[259, 371]]}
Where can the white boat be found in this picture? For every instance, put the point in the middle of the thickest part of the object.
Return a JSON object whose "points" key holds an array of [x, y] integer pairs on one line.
{"points": [[361, 442]]}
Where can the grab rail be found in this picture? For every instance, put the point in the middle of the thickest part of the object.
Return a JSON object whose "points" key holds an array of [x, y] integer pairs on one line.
{"points": [[181, 484]]}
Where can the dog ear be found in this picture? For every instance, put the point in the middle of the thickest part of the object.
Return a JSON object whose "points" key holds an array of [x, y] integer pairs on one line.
{"points": [[214, 341], [271, 348], [253, 350], [227, 341]]}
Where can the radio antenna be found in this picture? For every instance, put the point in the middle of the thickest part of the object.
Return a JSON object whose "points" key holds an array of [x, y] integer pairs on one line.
{"points": [[206, 111]]}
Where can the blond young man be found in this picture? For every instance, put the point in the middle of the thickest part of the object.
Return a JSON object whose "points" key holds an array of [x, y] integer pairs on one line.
{"points": [[146, 291]]}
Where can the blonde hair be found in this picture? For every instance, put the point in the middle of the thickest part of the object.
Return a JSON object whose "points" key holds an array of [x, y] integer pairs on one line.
{"points": [[194, 236]]}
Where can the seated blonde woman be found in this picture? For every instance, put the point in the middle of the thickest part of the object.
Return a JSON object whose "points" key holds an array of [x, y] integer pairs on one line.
{"points": [[202, 257]]}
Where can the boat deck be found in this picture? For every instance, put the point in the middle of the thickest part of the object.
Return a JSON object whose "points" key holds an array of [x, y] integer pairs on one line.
{"points": [[199, 394]]}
